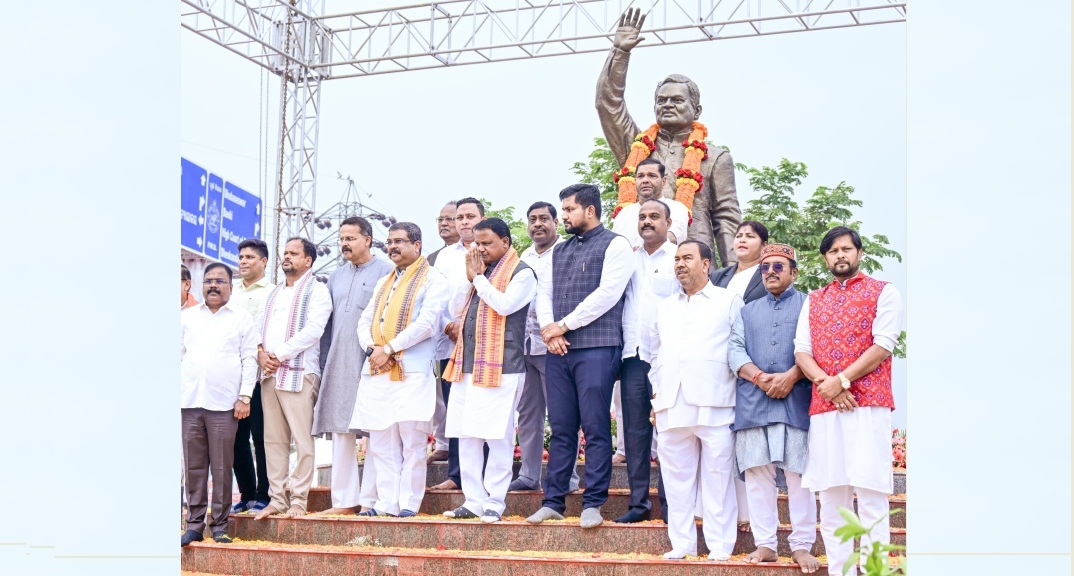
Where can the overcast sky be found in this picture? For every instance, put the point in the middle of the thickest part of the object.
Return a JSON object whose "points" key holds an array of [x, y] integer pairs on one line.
{"points": [[835, 100]]}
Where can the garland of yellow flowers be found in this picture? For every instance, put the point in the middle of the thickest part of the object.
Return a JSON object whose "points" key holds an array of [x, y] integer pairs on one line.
{"points": [[688, 179]]}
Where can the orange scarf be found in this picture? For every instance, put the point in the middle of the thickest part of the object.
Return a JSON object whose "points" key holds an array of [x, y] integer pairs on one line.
{"points": [[490, 328]]}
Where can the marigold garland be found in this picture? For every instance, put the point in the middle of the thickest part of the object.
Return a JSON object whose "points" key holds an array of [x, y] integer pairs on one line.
{"points": [[688, 179]]}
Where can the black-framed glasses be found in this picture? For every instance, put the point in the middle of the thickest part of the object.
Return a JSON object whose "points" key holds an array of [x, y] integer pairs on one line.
{"points": [[215, 282], [776, 267], [443, 219]]}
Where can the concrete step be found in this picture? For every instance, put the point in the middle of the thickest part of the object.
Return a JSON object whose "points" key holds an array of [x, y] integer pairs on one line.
{"points": [[526, 503], [512, 534], [437, 473], [261, 559]]}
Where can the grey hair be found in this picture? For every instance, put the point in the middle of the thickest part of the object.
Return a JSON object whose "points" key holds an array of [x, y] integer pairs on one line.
{"points": [[695, 93]]}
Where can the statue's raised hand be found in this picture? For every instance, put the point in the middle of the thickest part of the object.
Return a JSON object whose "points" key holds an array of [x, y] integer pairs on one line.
{"points": [[627, 35]]}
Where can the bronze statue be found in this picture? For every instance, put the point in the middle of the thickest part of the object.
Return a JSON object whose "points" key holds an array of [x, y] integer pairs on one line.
{"points": [[715, 210]]}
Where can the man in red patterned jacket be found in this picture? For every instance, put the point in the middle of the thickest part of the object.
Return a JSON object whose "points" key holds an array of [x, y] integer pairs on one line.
{"points": [[846, 333]]}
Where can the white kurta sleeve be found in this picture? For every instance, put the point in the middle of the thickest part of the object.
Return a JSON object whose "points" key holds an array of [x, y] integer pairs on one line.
{"points": [[248, 341], [802, 340], [520, 291], [615, 274], [888, 322], [365, 322], [437, 291], [736, 346]]}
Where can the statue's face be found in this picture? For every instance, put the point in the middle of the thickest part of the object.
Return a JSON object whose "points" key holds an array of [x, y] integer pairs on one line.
{"points": [[673, 108]]}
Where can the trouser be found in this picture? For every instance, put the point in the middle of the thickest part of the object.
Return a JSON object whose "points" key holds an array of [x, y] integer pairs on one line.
{"points": [[289, 416], [637, 393], [617, 409], [762, 492], [399, 454], [346, 480], [579, 386], [440, 439], [683, 452], [253, 481], [208, 449], [531, 421], [872, 506], [368, 495], [485, 487]]}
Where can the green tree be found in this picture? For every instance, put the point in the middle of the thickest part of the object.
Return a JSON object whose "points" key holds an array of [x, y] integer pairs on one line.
{"points": [[804, 227], [520, 239], [597, 170]]}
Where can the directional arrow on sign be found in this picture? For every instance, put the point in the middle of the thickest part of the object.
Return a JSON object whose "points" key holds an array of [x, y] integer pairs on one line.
{"points": [[199, 241], [257, 227], [201, 201]]}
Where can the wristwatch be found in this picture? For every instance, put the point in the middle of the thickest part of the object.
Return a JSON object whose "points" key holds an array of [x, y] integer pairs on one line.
{"points": [[245, 400], [369, 351], [843, 379], [563, 326], [388, 349]]}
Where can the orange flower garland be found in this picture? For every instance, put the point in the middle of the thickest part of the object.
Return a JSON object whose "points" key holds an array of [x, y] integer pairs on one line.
{"points": [[688, 179]]}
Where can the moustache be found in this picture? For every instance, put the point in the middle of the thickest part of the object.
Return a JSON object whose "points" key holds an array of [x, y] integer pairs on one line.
{"points": [[648, 227], [390, 252], [771, 277], [214, 291]]}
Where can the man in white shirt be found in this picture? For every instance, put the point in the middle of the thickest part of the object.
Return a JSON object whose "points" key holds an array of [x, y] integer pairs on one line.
{"points": [[581, 316], [694, 401], [488, 368], [397, 392], [445, 227], [652, 281], [650, 179], [248, 292], [542, 227], [451, 262], [291, 322], [218, 354], [843, 342]]}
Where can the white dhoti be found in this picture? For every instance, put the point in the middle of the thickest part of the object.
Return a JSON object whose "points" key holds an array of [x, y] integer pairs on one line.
{"points": [[346, 480], [684, 452], [479, 416], [762, 492], [397, 415], [368, 495], [850, 453]]}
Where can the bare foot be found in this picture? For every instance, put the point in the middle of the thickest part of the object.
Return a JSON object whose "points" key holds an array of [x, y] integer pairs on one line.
{"points": [[445, 485], [338, 511], [762, 554], [267, 511], [806, 560], [743, 526], [295, 512]]}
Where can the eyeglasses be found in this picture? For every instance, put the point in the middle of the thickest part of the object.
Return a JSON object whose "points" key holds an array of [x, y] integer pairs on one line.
{"points": [[397, 242], [348, 239], [443, 219], [215, 282], [777, 268]]}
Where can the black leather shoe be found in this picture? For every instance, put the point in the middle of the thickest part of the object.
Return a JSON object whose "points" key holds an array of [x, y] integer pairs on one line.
{"points": [[190, 536], [221, 537], [633, 516]]}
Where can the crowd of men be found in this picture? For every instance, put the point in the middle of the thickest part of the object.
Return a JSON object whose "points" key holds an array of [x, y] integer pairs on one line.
{"points": [[733, 373]]}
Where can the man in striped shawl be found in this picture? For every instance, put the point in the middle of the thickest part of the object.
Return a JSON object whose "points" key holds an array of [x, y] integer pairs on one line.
{"points": [[291, 322], [397, 392], [488, 367]]}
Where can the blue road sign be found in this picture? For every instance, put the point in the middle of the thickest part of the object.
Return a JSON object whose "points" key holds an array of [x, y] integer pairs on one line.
{"points": [[194, 180], [214, 200], [216, 215], [241, 219]]}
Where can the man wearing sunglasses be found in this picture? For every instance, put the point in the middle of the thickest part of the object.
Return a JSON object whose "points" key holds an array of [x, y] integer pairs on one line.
{"points": [[772, 410]]}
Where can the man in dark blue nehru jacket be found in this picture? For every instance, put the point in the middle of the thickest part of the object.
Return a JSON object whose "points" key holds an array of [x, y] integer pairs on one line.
{"points": [[581, 317]]}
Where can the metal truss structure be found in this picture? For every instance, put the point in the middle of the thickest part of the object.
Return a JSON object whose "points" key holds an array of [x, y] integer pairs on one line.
{"points": [[304, 46], [350, 205]]}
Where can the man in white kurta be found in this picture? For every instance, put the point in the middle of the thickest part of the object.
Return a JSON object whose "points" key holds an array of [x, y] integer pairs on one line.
{"points": [[694, 402], [488, 368], [397, 392], [843, 343]]}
